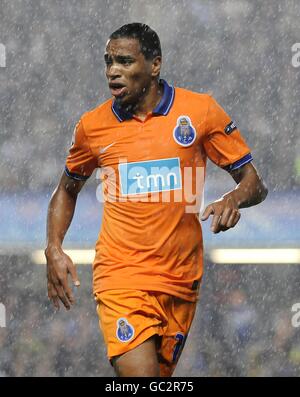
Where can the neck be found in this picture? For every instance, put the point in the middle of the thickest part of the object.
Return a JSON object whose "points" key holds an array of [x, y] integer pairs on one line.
{"points": [[148, 102]]}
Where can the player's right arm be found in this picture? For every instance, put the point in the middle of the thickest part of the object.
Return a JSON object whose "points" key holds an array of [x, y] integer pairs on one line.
{"points": [[80, 164], [59, 265]]}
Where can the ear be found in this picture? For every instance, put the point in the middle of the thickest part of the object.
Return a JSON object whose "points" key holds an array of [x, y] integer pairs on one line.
{"points": [[156, 65]]}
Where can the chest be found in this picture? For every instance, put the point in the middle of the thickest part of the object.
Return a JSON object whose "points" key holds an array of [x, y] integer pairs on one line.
{"points": [[158, 138]]}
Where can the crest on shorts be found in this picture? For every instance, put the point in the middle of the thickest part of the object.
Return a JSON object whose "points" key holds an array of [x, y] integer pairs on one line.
{"points": [[125, 331], [184, 133]]}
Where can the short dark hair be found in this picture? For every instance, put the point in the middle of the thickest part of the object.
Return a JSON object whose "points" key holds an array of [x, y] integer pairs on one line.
{"points": [[147, 37]]}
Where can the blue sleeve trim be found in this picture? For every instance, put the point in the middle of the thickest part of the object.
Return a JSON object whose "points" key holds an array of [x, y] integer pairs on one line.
{"points": [[237, 164], [75, 176]]}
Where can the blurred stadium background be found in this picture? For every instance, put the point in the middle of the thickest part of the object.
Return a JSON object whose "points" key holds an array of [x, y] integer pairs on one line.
{"points": [[241, 52]]}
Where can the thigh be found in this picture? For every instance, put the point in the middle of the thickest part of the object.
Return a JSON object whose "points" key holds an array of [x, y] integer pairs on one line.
{"points": [[140, 361]]}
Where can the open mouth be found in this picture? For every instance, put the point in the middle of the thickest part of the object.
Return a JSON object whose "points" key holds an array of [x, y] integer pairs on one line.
{"points": [[117, 89]]}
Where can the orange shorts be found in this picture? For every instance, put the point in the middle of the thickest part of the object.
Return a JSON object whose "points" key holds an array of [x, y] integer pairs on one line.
{"points": [[128, 317]]}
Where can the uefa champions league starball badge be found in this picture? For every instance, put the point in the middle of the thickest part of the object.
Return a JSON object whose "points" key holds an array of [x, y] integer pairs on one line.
{"points": [[184, 133]]}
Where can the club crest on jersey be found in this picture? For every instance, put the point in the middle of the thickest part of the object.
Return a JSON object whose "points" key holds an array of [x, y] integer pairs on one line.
{"points": [[125, 331], [184, 132]]}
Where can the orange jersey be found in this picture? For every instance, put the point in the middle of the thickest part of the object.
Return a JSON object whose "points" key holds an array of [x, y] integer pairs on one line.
{"points": [[153, 173]]}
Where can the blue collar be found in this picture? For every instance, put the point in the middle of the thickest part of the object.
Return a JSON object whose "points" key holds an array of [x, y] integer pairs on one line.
{"points": [[162, 108]]}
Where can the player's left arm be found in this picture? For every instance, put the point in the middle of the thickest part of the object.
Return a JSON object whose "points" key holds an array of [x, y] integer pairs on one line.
{"points": [[250, 190]]}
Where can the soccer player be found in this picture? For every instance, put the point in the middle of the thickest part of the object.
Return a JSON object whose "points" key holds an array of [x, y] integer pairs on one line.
{"points": [[151, 142]]}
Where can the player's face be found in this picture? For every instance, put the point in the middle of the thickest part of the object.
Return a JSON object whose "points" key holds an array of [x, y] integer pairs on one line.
{"points": [[129, 74]]}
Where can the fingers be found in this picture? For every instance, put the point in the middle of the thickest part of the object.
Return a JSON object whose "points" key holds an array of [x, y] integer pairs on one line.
{"points": [[72, 270], [228, 220], [63, 289], [215, 223], [64, 283], [56, 293], [233, 219], [208, 211], [52, 295], [58, 289], [62, 294], [224, 216]]}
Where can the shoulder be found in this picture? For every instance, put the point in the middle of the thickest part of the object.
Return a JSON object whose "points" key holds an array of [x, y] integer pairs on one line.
{"points": [[97, 115], [197, 104], [185, 94]]}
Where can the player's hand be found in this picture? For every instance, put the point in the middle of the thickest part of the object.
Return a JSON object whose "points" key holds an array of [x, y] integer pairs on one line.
{"points": [[225, 212], [59, 265]]}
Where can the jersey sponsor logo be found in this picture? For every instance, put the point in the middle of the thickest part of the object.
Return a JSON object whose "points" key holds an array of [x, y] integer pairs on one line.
{"points": [[184, 133], [150, 176], [230, 128], [125, 331]]}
